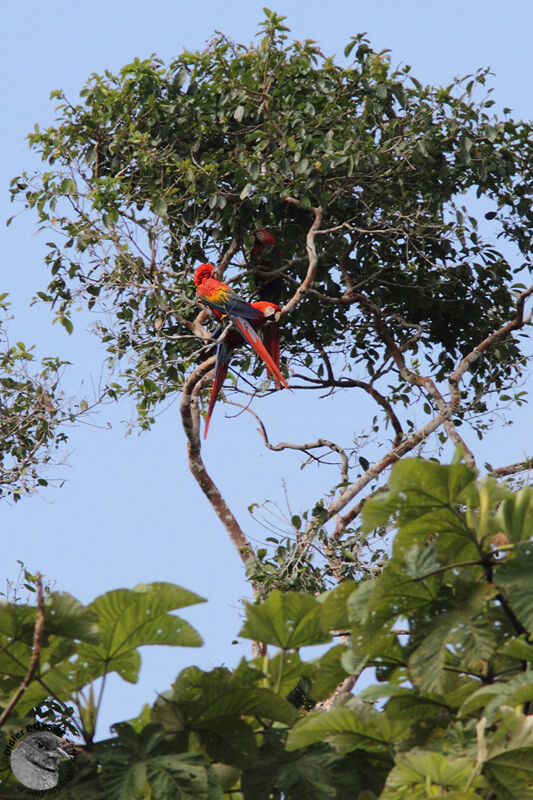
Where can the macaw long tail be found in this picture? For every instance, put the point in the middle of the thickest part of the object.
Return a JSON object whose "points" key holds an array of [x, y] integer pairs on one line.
{"points": [[253, 339], [271, 341], [221, 370]]}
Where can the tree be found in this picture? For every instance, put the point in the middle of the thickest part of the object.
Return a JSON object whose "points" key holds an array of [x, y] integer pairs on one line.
{"points": [[447, 626], [34, 416], [373, 186]]}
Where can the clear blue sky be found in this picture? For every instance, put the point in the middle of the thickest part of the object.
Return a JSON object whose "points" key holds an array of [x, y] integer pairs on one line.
{"points": [[129, 511]]}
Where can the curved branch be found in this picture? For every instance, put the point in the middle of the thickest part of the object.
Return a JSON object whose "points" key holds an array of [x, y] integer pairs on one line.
{"points": [[464, 365], [304, 448], [311, 255], [226, 258], [190, 417], [348, 383]]}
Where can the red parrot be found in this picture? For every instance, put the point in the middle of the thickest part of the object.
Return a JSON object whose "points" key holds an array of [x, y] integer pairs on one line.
{"points": [[266, 259], [233, 338], [223, 301]]}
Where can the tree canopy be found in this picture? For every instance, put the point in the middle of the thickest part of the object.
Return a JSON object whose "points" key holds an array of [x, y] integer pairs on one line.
{"points": [[403, 214]]}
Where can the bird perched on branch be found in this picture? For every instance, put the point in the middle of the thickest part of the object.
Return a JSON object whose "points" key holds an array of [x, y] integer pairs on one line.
{"points": [[224, 302], [232, 338], [35, 761], [266, 261]]}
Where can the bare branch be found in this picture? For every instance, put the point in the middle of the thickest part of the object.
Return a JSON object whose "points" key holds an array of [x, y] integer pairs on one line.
{"points": [[513, 469], [226, 258], [190, 417], [464, 365], [311, 255], [301, 447]]}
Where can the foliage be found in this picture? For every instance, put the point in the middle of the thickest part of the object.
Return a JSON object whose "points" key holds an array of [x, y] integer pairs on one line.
{"points": [[158, 168], [33, 416], [376, 188], [373, 185], [445, 629]]}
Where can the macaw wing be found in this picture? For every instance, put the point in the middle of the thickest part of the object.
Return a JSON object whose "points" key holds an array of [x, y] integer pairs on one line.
{"points": [[221, 370], [254, 340], [231, 304]]}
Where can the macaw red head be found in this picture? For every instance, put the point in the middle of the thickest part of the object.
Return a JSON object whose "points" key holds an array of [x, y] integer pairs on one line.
{"points": [[264, 237], [203, 272], [268, 309]]}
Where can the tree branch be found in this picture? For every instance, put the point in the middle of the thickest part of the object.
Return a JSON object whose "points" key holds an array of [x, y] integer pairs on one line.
{"points": [[311, 255], [513, 469], [190, 418], [36, 650]]}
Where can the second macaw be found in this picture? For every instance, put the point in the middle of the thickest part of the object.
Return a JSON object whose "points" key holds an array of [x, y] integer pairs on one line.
{"points": [[267, 264], [233, 338]]}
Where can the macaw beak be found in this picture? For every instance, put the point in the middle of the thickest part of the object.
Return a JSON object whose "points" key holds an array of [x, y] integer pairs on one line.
{"points": [[272, 314]]}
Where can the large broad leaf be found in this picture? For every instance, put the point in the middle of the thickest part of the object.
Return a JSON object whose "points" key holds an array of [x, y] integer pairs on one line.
{"points": [[68, 618], [350, 728], [141, 760], [334, 613], [182, 776], [451, 632], [513, 578], [211, 705], [515, 515], [284, 671], [418, 776], [314, 773], [329, 673], [508, 766], [422, 501], [515, 692], [130, 618], [286, 619], [517, 648], [67, 622]]}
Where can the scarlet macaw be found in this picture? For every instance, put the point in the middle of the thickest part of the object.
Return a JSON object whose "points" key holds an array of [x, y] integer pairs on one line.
{"points": [[233, 338], [223, 301], [266, 259]]}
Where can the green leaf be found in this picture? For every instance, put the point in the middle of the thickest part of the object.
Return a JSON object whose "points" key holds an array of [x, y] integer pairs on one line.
{"points": [[514, 692], [330, 672], [68, 186], [284, 671], [508, 766], [67, 324], [285, 619], [423, 775], [212, 704], [160, 207], [515, 515], [361, 727], [424, 499], [513, 578], [128, 619], [139, 760], [334, 613], [66, 617], [315, 773]]}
